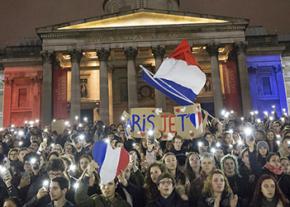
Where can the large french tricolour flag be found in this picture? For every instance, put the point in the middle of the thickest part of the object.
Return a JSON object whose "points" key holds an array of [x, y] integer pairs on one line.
{"points": [[179, 76], [111, 161]]}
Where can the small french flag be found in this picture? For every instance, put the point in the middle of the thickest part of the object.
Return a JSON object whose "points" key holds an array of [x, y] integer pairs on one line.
{"points": [[179, 76], [196, 119], [111, 161]]}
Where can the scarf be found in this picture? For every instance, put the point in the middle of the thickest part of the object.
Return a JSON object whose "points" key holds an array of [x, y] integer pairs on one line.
{"points": [[274, 170]]}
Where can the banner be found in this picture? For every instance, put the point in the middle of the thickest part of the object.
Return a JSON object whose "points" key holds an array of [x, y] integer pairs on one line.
{"points": [[143, 122]]}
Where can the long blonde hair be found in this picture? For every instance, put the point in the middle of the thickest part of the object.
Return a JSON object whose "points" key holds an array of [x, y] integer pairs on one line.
{"points": [[207, 187]]}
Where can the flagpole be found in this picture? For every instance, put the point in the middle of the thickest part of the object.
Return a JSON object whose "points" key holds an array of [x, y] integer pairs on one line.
{"points": [[212, 116]]}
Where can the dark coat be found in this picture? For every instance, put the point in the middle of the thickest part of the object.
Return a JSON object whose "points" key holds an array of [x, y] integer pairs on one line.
{"points": [[83, 200], [208, 201], [173, 200], [137, 194], [283, 181]]}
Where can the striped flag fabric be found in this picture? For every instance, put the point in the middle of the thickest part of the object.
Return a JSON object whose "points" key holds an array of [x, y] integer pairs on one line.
{"points": [[111, 161], [179, 77]]}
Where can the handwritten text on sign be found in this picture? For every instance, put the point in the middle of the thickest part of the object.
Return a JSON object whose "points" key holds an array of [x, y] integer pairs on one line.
{"points": [[185, 121]]}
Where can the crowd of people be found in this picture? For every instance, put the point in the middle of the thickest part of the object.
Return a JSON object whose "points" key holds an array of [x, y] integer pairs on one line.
{"points": [[236, 162]]}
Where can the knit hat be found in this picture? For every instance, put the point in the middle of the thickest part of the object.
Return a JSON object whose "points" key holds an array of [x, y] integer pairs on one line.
{"points": [[261, 144]]}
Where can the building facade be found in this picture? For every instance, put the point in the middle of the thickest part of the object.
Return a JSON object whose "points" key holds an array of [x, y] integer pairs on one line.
{"points": [[90, 67]]}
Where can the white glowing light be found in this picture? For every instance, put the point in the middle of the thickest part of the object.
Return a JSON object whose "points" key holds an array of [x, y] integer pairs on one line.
{"points": [[284, 110], [213, 150], [25, 122], [248, 131], [271, 118], [33, 160], [232, 112], [218, 144], [150, 132], [12, 125], [80, 125], [82, 137], [134, 144], [278, 136], [266, 113], [199, 144], [53, 120], [76, 118], [273, 106], [72, 168], [36, 120], [227, 114], [20, 143], [66, 123], [272, 112], [85, 119], [258, 120], [1, 129], [282, 119], [231, 131], [242, 118], [45, 183], [2, 169], [128, 126], [107, 140], [231, 146], [278, 142], [45, 139], [252, 113], [240, 142], [256, 112], [76, 185], [45, 130], [223, 112], [31, 123], [20, 133], [122, 118], [52, 145]]}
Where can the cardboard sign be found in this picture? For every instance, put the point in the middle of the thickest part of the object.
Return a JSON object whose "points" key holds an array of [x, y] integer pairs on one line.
{"points": [[144, 120], [186, 122]]}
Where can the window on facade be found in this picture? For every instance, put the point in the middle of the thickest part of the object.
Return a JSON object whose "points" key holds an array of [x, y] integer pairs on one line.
{"points": [[267, 90], [22, 97]]}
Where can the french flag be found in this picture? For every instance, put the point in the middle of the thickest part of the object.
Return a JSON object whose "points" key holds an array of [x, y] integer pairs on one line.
{"points": [[196, 119], [111, 161], [179, 76]]}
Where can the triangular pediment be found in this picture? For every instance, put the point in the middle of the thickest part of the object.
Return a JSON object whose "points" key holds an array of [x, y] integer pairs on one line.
{"points": [[143, 19]]}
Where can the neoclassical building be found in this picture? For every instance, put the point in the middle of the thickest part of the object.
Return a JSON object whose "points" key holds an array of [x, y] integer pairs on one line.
{"points": [[90, 67]]}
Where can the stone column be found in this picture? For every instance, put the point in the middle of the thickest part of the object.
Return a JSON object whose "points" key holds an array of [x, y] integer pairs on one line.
{"points": [[212, 49], [103, 55], [286, 74], [46, 96], [244, 77], [75, 103], [131, 54], [160, 99]]}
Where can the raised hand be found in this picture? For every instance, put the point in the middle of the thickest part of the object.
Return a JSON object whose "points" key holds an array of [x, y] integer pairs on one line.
{"points": [[234, 201], [41, 193]]}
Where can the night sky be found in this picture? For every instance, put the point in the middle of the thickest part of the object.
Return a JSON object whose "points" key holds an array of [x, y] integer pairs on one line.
{"points": [[19, 18]]}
